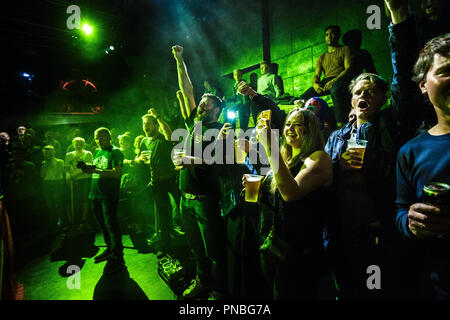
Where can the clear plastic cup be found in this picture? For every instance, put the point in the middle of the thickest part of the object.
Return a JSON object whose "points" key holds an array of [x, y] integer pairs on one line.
{"points": [[147, 155], [177, 154], [358, 146], [253, 182]]}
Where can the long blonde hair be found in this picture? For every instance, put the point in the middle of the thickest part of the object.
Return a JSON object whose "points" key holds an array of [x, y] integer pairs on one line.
{"points": [[311, 142]]}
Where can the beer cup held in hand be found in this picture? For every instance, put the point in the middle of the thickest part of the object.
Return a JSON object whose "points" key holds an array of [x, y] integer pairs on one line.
{"points": [[253, 181], [358, 146], [266, 114], [177, 155], [146, 154]]}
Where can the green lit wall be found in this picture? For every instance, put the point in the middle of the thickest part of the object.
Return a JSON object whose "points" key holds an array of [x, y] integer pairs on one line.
{"points": [[297, 38]]}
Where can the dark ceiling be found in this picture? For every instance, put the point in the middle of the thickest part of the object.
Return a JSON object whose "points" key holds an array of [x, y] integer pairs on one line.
{"points": [[36, 40]]}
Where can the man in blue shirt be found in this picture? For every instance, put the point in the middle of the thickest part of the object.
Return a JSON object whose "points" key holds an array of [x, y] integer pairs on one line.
{"points": [[425, 159]]}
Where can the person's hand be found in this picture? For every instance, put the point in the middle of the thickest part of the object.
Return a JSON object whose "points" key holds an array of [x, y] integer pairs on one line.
{"points": [[245, 89], [224, 131], [299, 103], [180, 95], [328, 85], [183, 161], [244, 182], [396, 5], [318, 87], [426, 221], [396, 10], [350, 161], [177, 52], [153, 112], [263, 134], [143, 157]]}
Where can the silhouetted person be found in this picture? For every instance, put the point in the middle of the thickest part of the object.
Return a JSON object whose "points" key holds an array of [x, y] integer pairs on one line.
{"points": [[362, 59], [79, 182], [52, 174]]}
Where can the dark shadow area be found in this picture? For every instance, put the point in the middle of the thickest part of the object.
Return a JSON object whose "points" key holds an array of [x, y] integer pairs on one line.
{"points": [[118, 286], [75, 245]]}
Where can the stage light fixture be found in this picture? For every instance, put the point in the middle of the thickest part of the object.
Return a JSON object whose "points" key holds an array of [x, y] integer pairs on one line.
{"points": [[27, 75], [87, 29], [231, 115]]}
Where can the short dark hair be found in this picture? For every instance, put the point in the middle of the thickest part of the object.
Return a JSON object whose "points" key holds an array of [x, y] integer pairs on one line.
{"points": [[439, 45], [104, 130], [380, 83], [149, 116], [216, 100], [337, 28]]}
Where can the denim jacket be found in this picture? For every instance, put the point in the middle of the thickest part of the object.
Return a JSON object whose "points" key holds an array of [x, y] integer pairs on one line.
{"points": [[379, 160], [381, 150]]}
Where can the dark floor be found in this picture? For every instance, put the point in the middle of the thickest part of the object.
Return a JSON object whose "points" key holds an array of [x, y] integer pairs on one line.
{"points": [[44, 279], [45, 267]]}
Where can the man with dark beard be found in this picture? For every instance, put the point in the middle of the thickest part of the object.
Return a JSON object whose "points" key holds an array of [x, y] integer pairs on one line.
{"points": [[200, 187]]}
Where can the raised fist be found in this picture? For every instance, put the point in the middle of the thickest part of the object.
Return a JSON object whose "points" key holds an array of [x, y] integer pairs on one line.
{"points": [[177, 52]]}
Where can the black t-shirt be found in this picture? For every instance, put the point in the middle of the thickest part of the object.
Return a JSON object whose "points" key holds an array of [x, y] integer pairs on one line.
{"points": [[161, 165], [300, 223], [200, 179]]}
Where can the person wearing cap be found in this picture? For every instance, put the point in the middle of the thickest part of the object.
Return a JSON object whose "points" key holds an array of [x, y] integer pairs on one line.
{"points": [[320, 108]]}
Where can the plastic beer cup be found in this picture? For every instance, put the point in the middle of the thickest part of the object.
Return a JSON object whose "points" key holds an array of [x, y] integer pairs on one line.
{"points": [[358, 146], [147, 154], [253, 181], [177, 155]]}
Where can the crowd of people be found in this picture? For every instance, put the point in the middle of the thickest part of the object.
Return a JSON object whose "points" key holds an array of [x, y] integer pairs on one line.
{"points": [[323, 208]]}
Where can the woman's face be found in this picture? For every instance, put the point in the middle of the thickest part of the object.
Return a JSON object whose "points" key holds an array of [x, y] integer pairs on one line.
{"points": [[293, 129]]}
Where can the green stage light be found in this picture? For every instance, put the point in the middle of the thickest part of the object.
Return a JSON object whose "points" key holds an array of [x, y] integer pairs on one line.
{"points": [[87, 29]]}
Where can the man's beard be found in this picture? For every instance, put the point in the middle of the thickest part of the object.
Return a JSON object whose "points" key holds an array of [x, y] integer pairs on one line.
{"points": [[153, 133], [204, 117]]}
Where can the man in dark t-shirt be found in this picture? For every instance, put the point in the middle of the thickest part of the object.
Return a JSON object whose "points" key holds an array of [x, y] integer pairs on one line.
{"points": [[200, 187], [335, 64], [105, 189], [155, 152]]}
